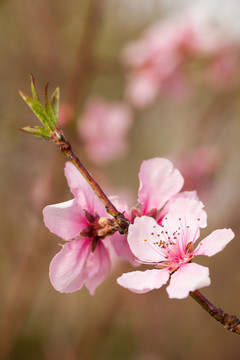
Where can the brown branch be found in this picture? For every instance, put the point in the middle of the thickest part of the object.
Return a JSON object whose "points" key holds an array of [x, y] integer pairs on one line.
{"points": [[230, 322], [66, 148]]}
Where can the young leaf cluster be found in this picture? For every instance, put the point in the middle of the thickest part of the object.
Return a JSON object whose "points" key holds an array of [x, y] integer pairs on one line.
{"points": [[48, 114]]}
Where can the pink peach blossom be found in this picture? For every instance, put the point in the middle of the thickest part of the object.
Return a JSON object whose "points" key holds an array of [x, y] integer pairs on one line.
{"points": [[171, 247], [103, 127], [84, 259]]}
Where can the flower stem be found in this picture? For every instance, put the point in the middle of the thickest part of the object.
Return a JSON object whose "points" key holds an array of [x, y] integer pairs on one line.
{"points": [[65, 147], [230, 322]]}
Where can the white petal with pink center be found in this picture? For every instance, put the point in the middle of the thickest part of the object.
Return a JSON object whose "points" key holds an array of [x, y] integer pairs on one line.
{"points": [[165, 245]]}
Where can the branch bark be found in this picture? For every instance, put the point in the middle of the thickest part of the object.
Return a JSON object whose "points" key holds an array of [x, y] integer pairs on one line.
{"points": [[230, 322]]}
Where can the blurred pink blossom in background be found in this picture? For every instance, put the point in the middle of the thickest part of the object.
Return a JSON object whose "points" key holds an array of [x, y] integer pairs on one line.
{"points": [[158, 62], [199, 167], [65, 114], [40, 190], [103, 128], [221, 72]]}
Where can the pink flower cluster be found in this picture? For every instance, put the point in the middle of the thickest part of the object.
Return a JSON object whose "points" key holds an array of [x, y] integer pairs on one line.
{"points": [[158, 62], [103, 128], [163, 232]]}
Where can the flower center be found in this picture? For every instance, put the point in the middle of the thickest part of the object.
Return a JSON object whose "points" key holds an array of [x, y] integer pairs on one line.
{"points": [[176, 247], [135, 212], [98, 228]]}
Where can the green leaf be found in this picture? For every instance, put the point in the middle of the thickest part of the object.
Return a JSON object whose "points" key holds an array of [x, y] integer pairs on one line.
{"points": [[48, 108], [48, 114], [38, 110], [55, 102], [37, 131], [33, 88]]}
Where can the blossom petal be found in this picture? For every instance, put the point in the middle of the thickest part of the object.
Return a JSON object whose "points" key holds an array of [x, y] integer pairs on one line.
{"points": [[67, 267], [182, 195], [189, 208], [185, 216], [97, 267], [143, 281], [142, 238], [83, 191], [189, 277], [215, 242], [66, 219], [75, 180], [121, 205], [121, 247], [159, 181]]}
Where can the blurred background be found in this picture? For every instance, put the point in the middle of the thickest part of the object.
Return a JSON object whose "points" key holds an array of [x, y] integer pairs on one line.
{"points": [[179, 85]]}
